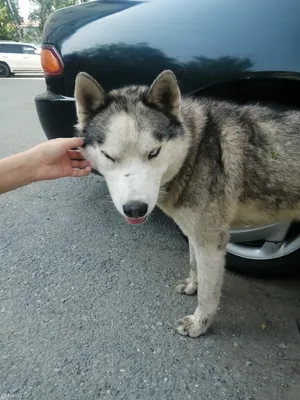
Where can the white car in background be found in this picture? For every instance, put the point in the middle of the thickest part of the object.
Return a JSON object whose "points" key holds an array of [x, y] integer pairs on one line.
{"points": [[16, 57]]}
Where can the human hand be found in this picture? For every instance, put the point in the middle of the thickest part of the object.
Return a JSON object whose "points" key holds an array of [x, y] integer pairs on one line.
{"points": [[56, 159]]}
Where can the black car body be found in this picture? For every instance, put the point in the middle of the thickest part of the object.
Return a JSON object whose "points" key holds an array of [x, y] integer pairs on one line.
{"points": [[245, 51]]}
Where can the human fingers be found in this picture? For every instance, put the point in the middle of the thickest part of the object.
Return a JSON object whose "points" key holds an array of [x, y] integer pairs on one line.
{"points": [[80, 163], [75, 155], [76, 173], [70, 143]]}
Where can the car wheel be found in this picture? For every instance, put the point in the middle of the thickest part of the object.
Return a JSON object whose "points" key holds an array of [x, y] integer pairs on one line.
{"points": [[277, 268], [4, 70], [275, 255]]}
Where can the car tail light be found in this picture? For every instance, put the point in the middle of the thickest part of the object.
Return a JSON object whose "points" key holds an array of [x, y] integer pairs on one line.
{"points": [[51, 60]]}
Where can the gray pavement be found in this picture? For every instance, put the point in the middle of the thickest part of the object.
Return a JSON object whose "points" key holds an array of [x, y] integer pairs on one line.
{"points": [[87, 302]]}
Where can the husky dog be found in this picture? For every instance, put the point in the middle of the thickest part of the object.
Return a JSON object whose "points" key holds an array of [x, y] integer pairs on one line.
{"points": [[210, 165]]}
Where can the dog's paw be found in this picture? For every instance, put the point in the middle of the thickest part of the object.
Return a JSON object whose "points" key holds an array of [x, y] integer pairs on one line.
{"points": [[186, 286], [191, 326]]}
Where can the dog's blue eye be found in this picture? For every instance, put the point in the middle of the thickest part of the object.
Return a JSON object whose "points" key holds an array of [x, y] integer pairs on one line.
{"points": [[154, 153], [107, 156]]}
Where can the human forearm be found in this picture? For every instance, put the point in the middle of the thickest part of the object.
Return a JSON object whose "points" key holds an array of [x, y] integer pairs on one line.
{"points": [[16, 171], [50, 160]]}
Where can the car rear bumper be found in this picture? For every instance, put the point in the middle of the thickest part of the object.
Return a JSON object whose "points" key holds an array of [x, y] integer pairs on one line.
{"points": [[57, 114]]}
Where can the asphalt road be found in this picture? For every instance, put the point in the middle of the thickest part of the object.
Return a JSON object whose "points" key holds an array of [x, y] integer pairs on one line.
{"points": [[87, 302]]}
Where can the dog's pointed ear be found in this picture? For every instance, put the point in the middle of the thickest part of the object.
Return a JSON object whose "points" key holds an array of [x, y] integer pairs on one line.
{"points": [[164, 93], [89, 97]]}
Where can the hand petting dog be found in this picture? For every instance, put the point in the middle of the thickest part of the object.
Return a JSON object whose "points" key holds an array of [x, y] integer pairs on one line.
{"points": [[50, 160]]}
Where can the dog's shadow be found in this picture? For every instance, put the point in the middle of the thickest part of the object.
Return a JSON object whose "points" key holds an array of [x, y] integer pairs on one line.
{"points": [[248, 306], [263, 308]]}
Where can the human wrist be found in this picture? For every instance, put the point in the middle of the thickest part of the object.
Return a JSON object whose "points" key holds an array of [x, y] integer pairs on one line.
{"points": [[31, 165]]}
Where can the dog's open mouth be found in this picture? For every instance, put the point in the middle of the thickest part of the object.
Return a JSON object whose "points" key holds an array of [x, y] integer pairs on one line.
{"points": [[136, 221]]}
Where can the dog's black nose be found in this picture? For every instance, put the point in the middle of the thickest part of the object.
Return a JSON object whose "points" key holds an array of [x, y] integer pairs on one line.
{"points": [[135, 209]]}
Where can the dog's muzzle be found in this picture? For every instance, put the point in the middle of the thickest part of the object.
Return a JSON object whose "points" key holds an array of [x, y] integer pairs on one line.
{"points": [[136, 212]]}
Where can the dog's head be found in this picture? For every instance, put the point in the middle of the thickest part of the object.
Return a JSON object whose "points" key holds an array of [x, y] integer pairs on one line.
{"points": [[133, 136]]}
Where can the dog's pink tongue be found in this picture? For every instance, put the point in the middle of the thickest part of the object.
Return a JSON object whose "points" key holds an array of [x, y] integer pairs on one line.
{"points": [[135, 221]]}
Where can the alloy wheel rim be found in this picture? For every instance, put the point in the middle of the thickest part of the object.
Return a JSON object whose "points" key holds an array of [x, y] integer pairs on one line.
{"points": [[275, 244]]}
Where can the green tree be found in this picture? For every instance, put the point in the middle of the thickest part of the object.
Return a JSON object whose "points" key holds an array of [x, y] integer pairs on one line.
{"points": [[43, 8], [9, 21]]}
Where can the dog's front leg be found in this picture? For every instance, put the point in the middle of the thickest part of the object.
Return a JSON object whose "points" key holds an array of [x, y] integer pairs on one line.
{"points": [[210, 260], [190, 284]]}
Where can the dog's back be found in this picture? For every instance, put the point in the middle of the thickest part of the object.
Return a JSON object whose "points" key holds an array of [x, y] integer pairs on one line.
{"points": [[252, 150]]}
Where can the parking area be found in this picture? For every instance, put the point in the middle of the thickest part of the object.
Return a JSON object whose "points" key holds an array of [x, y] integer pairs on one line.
{"points": [[87, 302]]}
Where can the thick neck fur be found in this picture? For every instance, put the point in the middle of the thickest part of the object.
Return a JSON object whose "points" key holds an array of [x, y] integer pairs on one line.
{"points": [[194, 118], [246, 155]]}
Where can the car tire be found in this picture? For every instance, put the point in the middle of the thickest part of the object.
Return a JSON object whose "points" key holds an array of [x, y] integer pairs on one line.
{"points": [[4, 70], [277, 268]]}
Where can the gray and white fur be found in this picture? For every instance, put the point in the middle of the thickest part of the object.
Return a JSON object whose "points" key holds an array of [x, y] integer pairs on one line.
{"points": [[210, 165]]}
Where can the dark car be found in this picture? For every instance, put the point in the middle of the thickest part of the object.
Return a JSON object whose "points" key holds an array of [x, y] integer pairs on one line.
{"points": [[243, 51]]}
